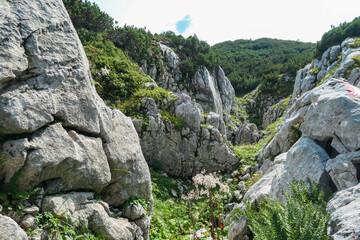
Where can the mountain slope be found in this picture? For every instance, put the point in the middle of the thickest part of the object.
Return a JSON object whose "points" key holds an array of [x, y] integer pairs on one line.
{"points": [[247, 61]]}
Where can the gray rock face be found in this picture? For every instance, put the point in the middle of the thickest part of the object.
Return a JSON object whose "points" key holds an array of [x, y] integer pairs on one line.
{"points": [[344, 211], [304, 160], [68, 139], [85, 210], [187, 111], [226, 90], [186, 149], [205, 92], [247, 133], [263, 187], [9, 229], [342, 170]]}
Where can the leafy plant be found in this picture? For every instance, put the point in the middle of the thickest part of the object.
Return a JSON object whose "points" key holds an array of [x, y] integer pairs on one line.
{"points": [[168, 117], [63, 227], [303, 217], [11, 196]]}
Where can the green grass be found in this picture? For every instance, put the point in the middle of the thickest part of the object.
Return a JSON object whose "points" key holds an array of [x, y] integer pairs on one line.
{"points": [[248, 152], [173, 217]]}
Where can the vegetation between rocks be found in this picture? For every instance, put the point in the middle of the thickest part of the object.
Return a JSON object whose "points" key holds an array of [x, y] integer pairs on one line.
{"points": [[303, 217]]}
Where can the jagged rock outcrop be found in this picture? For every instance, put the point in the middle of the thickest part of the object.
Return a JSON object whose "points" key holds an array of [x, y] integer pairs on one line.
{"points": [[186, 147], [186, 133], [58, 131], [336, 61]]}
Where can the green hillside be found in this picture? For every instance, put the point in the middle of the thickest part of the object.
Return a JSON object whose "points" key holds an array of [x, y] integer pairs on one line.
{"points": [[250, 62]]}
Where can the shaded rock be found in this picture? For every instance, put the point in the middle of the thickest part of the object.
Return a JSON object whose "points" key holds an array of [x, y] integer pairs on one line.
{"points": [[241, 186], [33, 210], [238, 230], [9, 229], [262, 188], [16, 154], [344, 209], [134, 212], [187, 111], [343, 171], [247, 133], [29, 222]]}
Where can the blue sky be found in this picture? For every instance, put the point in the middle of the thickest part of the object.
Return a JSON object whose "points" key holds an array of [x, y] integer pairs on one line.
{"points": [[183, 24], [216, 21]]}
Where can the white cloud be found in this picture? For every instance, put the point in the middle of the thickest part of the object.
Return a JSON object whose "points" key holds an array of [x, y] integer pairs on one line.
{"points": [[217, 21]]}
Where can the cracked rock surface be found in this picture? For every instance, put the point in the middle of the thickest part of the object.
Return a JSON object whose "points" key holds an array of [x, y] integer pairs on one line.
{"points": [[57, 129]]}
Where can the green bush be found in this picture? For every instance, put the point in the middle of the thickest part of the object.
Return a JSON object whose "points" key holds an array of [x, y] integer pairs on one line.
{"points": [[123, 78], [303, 218]]}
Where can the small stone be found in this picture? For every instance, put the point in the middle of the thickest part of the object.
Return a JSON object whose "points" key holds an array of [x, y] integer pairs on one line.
{"points": [[134, 212], [230, 180], [246, 169], [245, 177], [235, 173], [173, 192], [238, 230], [241, 186], [1, 208], [29, 222], [229, 206], [33, 210], [238, 195]]}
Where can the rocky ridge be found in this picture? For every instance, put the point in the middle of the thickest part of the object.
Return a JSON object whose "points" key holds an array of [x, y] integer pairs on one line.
{"points": [[58, 135], [318, 140]]}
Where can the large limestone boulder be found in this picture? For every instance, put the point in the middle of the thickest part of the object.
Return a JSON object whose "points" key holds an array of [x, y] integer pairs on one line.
{"points": [[344, 211], [305, 160], [9, 229], [57, 129]]}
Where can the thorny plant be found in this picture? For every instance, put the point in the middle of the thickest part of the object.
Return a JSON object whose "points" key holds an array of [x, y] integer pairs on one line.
{"points": [[209, 187]]}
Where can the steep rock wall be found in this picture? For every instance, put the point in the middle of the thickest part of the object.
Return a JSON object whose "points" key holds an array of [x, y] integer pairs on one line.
{"points": [[57, 131]]}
